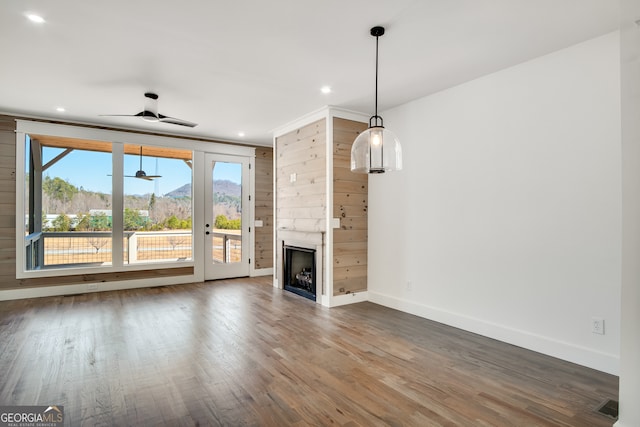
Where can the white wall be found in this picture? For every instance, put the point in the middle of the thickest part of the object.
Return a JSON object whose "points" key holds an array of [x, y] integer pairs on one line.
{"points": [[506, 218], [630, 332]]}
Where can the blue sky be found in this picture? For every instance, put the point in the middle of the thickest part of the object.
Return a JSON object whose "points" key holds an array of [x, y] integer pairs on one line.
{"points": [[91, 171]]}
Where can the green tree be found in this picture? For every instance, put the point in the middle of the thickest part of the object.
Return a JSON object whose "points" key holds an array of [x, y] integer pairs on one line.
{"points": [[84, 224], [173, 223], [100, 222], [132, 220], [62, 223], [59, 189], [221, 222], [152, 201], [45, 225]]}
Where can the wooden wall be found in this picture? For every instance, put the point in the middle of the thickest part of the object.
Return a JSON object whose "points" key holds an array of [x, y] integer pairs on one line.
{"points": [[264, 207], [350, 202], [301, 205], [7, 203]]}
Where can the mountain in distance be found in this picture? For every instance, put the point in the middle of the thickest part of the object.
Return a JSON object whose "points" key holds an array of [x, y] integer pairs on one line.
{"points": [[178, 193], [224, 187]]}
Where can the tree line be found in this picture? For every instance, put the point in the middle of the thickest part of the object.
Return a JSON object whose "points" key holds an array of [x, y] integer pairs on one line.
{"points": [[142, 213]]}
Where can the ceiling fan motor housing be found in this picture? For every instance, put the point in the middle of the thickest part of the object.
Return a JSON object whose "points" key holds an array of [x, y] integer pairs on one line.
{"points": [[150, 113]]}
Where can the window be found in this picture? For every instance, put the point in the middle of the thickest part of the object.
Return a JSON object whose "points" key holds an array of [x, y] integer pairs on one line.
{"points": [[157, 205], [66, 203], [76, 211]]}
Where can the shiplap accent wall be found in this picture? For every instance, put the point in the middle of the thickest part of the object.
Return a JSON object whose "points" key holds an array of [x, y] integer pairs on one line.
{"points": [[301, 197], [7, 202], [350, 203], [316, 192], [264, 208]]}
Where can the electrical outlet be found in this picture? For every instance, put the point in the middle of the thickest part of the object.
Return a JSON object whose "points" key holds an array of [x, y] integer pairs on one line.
{"points": [[92, 287], [409, 285], [597, 325]]}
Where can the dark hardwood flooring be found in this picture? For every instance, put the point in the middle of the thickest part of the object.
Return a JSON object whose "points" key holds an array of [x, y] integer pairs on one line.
{"points": [[241, 353]]}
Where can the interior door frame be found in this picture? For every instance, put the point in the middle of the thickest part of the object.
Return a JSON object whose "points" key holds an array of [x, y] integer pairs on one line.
{"points": [[241, 269]]}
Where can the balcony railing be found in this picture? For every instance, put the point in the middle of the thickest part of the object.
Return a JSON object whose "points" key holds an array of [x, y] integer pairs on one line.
{"points": [[55, 249]]}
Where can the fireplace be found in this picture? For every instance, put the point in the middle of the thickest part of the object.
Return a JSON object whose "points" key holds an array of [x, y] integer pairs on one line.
{"points": [[299, 271]]}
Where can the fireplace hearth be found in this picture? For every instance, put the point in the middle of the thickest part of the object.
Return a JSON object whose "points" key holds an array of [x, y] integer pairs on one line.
{"points": [[299, 271]]}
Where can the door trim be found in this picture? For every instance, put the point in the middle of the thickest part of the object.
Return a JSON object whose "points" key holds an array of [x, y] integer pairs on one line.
{"points": [[242, 269]]}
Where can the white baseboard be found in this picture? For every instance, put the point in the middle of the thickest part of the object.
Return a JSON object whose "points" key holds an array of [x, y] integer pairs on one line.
{"points": [[83, 288], [350, 298], [590, 358], [262, 272]]}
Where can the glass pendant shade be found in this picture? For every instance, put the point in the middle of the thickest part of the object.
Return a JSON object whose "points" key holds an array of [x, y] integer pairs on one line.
{"points": [[376, 150]]}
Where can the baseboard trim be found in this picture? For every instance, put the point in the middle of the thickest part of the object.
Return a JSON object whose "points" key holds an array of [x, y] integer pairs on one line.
{"points": [[590, 358], [262, 272], [350, 298]]}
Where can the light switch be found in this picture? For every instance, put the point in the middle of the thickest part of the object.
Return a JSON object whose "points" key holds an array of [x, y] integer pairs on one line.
{"points": [[293, 177], [258, 223]]}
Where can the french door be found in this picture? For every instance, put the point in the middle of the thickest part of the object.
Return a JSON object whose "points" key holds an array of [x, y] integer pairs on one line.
{"points": [[226, 233]]}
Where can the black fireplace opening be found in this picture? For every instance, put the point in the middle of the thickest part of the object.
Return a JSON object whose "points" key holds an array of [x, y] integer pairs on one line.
{"points": [[299, 271]]}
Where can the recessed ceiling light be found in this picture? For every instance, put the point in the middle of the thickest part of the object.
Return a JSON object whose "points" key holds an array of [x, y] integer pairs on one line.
{"points": [[240, 134], [35, 18], [60, 109], [325, 89]]}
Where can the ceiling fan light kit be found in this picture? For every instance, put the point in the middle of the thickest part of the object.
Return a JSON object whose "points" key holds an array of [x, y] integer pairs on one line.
{"points": [[377, 149]]}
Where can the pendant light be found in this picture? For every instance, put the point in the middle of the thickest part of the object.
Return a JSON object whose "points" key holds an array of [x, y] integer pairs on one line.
{"points": [[377, 149]]}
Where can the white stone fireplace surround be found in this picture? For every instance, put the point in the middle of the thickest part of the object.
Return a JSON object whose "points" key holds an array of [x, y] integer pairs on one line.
{"points": [[307, 240]]}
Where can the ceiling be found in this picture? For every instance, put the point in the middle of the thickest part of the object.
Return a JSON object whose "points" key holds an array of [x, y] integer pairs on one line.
{"points": [[251, 66]]}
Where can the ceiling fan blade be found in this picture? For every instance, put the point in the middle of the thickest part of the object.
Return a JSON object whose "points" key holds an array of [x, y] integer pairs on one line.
{"points": [[146, 177], [175, 121], [140, 114]]}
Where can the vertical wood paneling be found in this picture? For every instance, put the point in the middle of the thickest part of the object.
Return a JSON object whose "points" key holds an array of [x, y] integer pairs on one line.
{"points": [[8, 203], [302, 204], [264, 207], [350, 204]]}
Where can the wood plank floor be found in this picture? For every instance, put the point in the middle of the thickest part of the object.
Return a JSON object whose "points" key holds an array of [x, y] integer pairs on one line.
{"points": [[241, 353]]}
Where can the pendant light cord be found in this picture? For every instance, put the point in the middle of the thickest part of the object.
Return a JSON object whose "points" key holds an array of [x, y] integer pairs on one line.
{"points": [[376, 109], [376, 120]]}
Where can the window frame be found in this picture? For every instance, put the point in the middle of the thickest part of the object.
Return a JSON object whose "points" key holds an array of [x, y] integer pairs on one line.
{"points": [[118, 140]]}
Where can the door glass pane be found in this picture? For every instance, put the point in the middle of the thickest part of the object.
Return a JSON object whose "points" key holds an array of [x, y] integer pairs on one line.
{"points": [[227, 212], [157, 204]]}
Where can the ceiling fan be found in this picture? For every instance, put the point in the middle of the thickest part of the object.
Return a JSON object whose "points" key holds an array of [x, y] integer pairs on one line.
{"points": [[142, 174], [150, 113]]}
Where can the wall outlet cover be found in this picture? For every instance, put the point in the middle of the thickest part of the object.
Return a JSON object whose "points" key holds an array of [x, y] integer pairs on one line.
{"points": [[597, 325]]}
